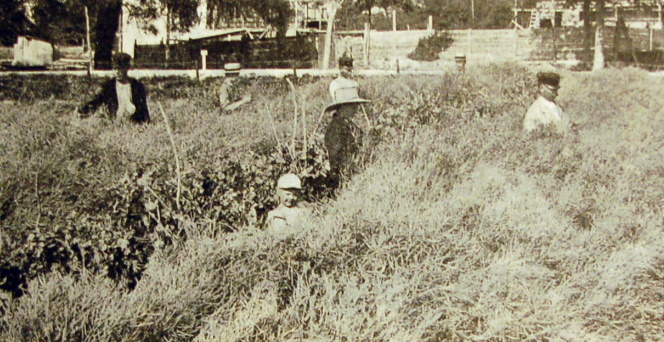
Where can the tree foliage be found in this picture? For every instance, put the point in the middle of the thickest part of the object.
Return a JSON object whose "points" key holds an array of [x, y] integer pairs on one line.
{"points": [[182, 15], [447, 14], [276, 13], [14, 21]]}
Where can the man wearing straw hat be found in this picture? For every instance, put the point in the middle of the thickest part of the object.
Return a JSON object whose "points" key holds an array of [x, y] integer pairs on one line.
{"points": [[122, 96], [342, 135], [230, 97]]}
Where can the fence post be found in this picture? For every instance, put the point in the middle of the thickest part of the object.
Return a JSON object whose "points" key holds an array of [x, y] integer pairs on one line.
{"points": [[394, 20], [367, 32], [204, 59], [650, 40], [430, 24]]}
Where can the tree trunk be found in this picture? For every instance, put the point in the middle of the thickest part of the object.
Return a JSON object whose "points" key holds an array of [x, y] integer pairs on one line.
{"points": [[588, 31], [333, 6], [598, 61], [108, 21]]}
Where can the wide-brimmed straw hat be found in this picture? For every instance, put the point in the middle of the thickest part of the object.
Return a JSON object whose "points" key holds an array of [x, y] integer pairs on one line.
{"points": [[232, 69], [345, 94]]}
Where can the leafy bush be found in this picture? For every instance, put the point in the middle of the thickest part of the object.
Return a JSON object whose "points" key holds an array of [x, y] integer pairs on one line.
{"points": [[429, 48]]}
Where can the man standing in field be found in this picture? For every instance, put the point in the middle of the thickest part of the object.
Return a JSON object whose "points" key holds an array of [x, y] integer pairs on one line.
{"points": [[545, 111], [230, 97], [342, 135], [290, 213], [122, 96]]}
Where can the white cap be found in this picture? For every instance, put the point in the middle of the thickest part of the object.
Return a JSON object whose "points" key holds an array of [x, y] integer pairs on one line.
{"points": [[289, 181]]}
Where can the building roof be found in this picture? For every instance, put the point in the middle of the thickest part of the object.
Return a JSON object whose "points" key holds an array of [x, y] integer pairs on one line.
{"points": [[224, 33]]}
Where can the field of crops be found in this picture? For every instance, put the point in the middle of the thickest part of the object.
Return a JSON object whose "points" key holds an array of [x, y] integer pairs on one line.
{"points": [[458, 228]]}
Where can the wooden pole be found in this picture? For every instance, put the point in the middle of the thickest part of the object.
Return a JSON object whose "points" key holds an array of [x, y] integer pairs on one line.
{"points": [[367, 31], [87, 35]]}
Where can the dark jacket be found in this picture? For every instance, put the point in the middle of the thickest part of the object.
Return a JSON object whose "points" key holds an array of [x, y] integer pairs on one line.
{"points": [[342, 139], [108, 98]]}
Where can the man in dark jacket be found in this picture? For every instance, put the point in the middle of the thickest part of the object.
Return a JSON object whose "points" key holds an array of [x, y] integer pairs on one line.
{"points": [[342, 135], [121, 96]]}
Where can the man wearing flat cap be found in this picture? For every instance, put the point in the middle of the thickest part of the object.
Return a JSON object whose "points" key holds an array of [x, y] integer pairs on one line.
{"points": [[545, 111], [122, 97]]}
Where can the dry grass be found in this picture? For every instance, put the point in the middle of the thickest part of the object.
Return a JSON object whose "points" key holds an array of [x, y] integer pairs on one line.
{"points": [[461, 229]]}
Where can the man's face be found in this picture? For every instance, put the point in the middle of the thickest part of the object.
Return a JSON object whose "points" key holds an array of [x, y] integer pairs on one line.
{"points": [[549, 92], [122, 73], [346, 70], [288, 197], [348, 110]]}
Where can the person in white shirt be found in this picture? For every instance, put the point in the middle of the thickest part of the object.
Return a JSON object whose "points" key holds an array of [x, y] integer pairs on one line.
{"points": [[122, 97], [345, 79], [290, 213], [545, 111]]}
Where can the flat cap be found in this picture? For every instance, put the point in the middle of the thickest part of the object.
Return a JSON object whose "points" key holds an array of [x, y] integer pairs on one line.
{"points": [[549, 78], [122, 60], [346, 61], [289, 181]]}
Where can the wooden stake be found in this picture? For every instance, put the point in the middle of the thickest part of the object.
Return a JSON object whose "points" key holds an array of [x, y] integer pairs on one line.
{"points": [[87, 35], [295, 115], [175, 152]]}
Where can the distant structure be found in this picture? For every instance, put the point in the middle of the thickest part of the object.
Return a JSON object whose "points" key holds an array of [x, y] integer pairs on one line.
{"points": [[309, 14], [560, 13]]}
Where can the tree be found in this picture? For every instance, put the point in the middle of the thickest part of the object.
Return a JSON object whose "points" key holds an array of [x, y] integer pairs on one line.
{"points": [[598, 61], [59, 22], [107, 24], [181, 15], [275, 13], [14, 21], [332, 6]]}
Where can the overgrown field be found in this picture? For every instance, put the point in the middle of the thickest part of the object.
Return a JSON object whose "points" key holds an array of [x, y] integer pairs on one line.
{"points": [[458, 228]]}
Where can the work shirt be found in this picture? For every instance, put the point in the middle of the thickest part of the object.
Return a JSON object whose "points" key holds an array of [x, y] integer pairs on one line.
{"points": [[109, 98], [544, 112], [342, 141], [125, 107], [282, 220]]}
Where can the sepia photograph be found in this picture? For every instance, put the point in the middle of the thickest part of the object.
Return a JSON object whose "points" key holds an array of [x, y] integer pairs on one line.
{"points": [[332, 170]]}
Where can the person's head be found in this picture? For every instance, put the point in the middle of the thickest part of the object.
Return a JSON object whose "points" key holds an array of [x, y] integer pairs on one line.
{"points": [[549, 83], [345, 65], [288, 189], [460, 61], [122, 64], [347, 110]]}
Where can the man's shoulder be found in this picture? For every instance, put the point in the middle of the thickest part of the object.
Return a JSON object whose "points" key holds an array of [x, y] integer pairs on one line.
{"points": [[538, 105], [135, 82]]}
